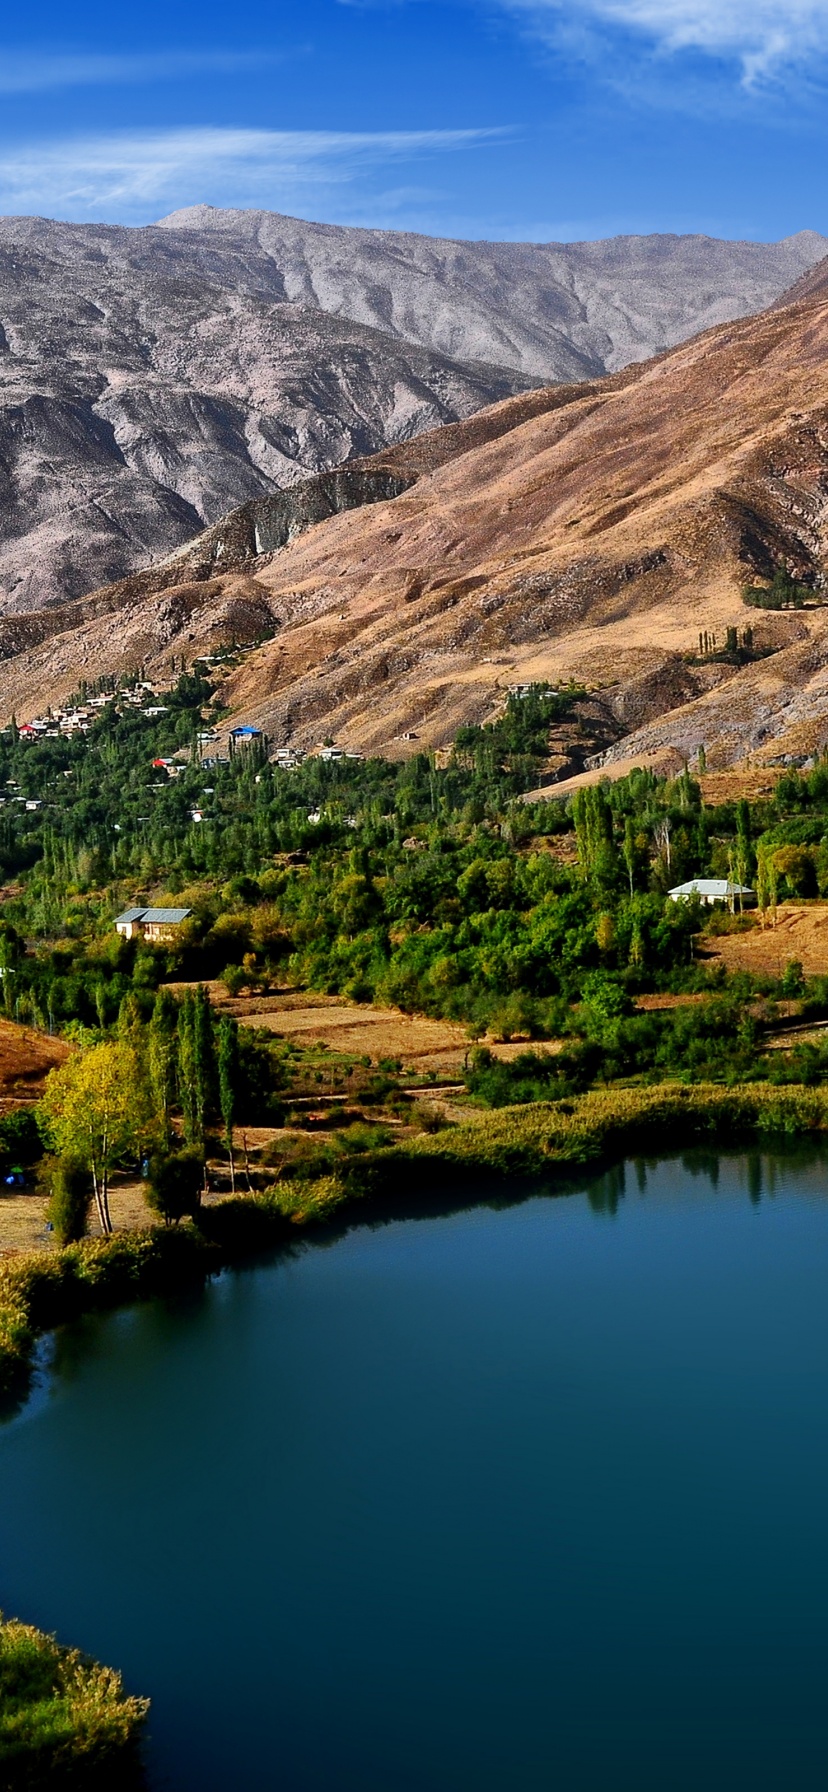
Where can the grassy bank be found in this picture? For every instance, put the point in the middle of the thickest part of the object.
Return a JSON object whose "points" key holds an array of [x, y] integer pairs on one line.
{"points": [[549, 1139], [552, 1138], [64, 1720]]}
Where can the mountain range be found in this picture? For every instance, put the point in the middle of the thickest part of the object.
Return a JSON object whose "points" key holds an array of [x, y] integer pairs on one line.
{"points": [[602, 531], [151, 379]]}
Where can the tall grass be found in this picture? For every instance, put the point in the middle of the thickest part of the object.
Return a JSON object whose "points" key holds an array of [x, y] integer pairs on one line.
{"points": [[544, 1137]]}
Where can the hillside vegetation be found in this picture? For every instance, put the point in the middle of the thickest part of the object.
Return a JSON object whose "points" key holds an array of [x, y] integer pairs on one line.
{"points": [[430, 888]]}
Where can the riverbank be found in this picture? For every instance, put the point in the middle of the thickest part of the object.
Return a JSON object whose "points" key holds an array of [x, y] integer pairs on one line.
{"points": [[549, 1140], [64, 1719], [552, 1139]]}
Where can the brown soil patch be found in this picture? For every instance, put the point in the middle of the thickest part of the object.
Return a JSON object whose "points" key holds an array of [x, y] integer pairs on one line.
{"points": [[26, 1057], [348, 1027], [563, 848], [801, 933], [374, 1032], [23, 1217], [750, 782]]}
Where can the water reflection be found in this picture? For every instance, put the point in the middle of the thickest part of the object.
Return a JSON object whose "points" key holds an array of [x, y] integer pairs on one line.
{"points": [[607, 1192]]}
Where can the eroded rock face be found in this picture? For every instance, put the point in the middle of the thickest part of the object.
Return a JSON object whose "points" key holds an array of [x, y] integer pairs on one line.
{"points": [[152, 380], [558, 311], [146, 388]]}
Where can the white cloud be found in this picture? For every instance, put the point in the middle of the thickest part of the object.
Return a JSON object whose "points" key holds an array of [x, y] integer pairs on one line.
{"points": [[37, 72], [764, 37], [137, 176]]}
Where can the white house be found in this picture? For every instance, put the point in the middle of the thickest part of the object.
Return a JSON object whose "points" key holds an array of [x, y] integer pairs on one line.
{"points": [[150, 923], [713, 889]]}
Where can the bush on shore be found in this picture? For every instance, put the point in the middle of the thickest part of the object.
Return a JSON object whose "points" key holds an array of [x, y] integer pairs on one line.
{"points": [[64, 1720], [70, 1198]]}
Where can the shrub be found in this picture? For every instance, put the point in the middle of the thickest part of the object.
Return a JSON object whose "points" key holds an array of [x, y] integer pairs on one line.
{"points": [[428, 1118], [302, 1202], [71, 1192], [64, 1720], [175, 1183], [20, 1140]]}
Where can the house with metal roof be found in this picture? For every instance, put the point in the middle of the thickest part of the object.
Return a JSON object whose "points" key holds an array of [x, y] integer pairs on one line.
{"points": [[714, 889], [152, 924]]}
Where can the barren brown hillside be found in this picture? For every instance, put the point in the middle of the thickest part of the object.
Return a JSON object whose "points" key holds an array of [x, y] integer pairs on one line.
{"points": [[586, 532]]}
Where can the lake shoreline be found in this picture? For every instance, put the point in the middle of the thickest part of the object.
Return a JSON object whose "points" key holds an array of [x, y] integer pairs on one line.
{"points": [[546, 1148], [553, 1141]]}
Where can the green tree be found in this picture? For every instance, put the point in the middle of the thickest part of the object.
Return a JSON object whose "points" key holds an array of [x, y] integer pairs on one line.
{"points": [[186, 1068], [162, 1046], [93, 1107], [174, 1187], [204, 1059], [70, 1194], [630, 851], [228, 1073]]}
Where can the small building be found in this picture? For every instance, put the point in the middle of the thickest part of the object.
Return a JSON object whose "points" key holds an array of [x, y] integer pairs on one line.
{"points": [[710, 890], [152, 924]]}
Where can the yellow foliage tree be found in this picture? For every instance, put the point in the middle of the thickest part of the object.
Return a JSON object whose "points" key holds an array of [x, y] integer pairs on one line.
{"points": [[96, 1110]]}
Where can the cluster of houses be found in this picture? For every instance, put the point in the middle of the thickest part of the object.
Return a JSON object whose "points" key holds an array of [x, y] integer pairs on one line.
{"points": [[78, 718]]}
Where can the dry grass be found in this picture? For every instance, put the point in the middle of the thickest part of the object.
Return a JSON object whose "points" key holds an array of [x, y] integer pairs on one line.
{"points": [[26, 1057], [801, 933], [748, 781], [659, 1004], [348, 1027], [23, 1216]]}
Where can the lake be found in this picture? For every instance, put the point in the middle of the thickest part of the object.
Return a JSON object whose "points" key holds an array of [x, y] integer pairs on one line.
{"points": [[525, 1496]]}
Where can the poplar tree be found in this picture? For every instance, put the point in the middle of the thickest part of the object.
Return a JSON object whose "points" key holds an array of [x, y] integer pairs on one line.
{"points": [[204, 1058], [186, 1068], [228, 1071], [161, 1059]]}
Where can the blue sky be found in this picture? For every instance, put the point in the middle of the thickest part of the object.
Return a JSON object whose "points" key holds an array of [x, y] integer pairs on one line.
{"points": [[500, 118]]}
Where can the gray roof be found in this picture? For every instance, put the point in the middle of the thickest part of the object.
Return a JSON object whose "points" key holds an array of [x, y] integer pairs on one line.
{"points": [[155, 916], [170, 915], [710, 886]]}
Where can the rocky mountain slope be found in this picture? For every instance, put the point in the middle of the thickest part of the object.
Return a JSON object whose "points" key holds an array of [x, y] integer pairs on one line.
{"points": [[590, 532], [151, 379], [554, 311], [146, 388]]}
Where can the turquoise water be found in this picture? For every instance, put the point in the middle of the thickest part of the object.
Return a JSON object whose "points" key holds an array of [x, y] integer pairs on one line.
{"points": [[523, 1497]]}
